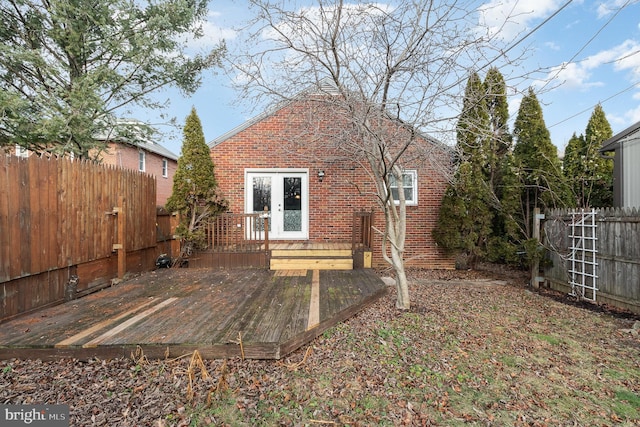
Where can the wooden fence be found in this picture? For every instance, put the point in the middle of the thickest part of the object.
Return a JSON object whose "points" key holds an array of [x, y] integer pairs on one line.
{"points": [[68, 227], [617, 258]]}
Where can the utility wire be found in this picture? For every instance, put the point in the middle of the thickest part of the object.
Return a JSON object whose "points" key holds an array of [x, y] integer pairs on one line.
{"points": [[516, 43], [592, 107], [523, 38], [564, 65], [572, 60]]}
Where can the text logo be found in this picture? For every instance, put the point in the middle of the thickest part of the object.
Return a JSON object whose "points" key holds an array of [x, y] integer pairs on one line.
{"points": [[34, 415]]}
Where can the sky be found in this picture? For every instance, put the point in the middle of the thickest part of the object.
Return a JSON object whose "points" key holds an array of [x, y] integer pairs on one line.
{"points": [[586, 53]]}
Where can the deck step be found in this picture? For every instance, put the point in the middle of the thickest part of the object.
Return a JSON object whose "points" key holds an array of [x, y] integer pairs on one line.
{"points": [[319, 253], [311, 264], [311, 259]]}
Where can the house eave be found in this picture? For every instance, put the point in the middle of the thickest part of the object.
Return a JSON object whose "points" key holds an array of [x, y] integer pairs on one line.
{"points": [[247, 124], [613, 143]]}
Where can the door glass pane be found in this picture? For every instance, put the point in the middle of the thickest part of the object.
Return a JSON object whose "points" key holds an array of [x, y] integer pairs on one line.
{"points": [[292, 203], [261, 193], [261, 198]]}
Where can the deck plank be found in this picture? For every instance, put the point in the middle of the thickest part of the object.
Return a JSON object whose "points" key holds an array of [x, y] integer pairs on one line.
{"points": [[314, 304], [104, 338], [208, 310], [288, 311]]}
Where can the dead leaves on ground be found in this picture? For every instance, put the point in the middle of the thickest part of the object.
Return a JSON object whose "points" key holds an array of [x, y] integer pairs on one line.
{"points": [[474, 351]]}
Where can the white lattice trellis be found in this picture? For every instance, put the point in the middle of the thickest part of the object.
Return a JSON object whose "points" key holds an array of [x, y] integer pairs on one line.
{"points": [[583, 250]]}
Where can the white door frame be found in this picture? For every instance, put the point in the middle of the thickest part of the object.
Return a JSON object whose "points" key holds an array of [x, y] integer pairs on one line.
{"points": [[276, 222]]}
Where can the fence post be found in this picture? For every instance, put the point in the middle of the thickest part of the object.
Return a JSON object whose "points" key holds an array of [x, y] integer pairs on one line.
{"points": [[174, 221], [535, 267], [122, 237]]}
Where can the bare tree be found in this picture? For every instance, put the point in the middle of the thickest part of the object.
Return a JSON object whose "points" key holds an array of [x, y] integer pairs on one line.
{"points": [[394, 71]]}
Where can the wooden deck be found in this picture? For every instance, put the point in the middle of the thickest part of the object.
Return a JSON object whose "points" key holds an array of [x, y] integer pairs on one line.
{"points": [[284, 256], [254, 313]]}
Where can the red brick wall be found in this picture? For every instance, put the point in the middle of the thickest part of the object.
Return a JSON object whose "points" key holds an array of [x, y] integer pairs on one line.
{"points": [[126, 156], [280, 141]]}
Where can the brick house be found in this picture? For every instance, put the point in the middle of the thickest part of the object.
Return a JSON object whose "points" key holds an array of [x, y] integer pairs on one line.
{"points": [[148, 157], [273, 161]]}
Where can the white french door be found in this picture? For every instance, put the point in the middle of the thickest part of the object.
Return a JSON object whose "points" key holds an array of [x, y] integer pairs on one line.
{"points": [[284, 195]]}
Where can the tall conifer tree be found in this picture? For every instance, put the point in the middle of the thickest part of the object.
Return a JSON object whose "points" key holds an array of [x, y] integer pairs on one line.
{"points": [[599, 171], [195, 196], [537, 160], [502, 244], [573, 169], [466, 214], [590, 175], [496, 96], [69, 69]]}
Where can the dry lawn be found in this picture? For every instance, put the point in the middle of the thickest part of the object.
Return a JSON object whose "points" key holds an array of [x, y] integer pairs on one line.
{"points": [[472, 351]]}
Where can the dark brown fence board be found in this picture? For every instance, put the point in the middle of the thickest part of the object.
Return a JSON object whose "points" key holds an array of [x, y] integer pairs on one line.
{"points": [[34, 208], [618, 255], [16, 192], [62, 227], [54, 223], [5, 242], [79, 251]]}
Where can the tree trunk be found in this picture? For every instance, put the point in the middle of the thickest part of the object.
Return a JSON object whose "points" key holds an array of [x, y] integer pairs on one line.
{"points": [[402, 287], [395, 233]]}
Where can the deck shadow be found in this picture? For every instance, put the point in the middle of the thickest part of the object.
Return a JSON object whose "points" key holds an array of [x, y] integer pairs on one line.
{"points": [[254, 313]]}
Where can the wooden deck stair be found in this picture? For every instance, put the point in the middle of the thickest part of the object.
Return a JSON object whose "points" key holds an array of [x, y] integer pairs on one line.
{"points": [[311, 256]]}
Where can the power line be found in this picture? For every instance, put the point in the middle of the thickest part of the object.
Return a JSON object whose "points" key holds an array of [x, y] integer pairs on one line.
{"points": [[592, 107], [523, 38], [580, 51], [564, 65], [623, 57]]}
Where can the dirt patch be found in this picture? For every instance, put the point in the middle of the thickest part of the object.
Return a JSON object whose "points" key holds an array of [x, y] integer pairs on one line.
{"points": [[477, 348]]}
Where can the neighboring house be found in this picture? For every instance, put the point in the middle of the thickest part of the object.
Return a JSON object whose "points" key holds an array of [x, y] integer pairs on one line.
{"points": [[274, 162], [626, 173], [143, 156], [148, 157]]}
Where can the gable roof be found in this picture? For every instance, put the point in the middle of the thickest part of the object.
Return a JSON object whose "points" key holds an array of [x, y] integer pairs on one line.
{"points": [[613, 143], [156, 148], [236, 130], [325, 86]]}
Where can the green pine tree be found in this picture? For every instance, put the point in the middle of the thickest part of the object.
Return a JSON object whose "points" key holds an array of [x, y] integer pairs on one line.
{"points": [[589, 175], [599, 171], [496, 91], [70, 68], [195, 190], [572, 167], [465, 217], [464, 223], [501, 179], [504, 244], [472, 131], [539, 168]]}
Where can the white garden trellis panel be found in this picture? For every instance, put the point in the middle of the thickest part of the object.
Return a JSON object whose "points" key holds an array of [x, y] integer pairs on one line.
{"points": [[582, 262]]}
